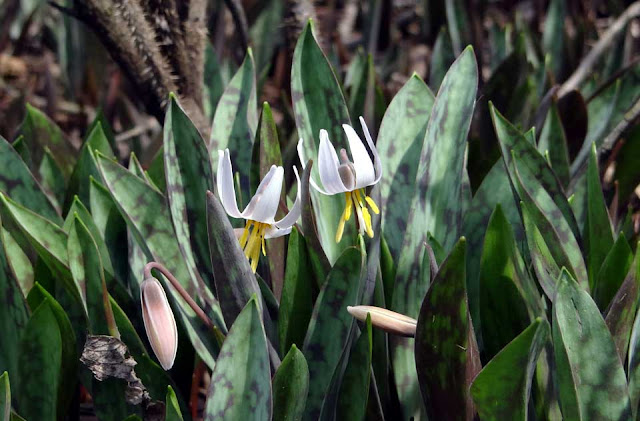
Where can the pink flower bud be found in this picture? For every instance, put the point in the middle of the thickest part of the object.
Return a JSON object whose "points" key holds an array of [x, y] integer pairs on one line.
{"points": [[159, 322], [387, 320]]}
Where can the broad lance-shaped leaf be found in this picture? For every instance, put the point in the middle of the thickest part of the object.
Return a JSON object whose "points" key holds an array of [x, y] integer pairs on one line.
{"points": [[17, 182], [146, 214], [554, 142], [330, 325], [553, 39], [235, 121], [400, 141], [441, 58], [51, 178], [612, 273], [188, 175], [172, 407], [447, 357], [501, 390], [5, 397], [591, 380], [19, 262], [318, 103], [290, 387], [598, 236], [436, 200], [241, 380]]}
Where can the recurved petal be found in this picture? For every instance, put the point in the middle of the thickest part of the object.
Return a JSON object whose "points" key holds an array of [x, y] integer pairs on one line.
{"points": [[159, 322], [328, 166], [226, 188], [275, 232], [387, 320], [296, 210], [264, 203], [365, 174], [376, 157]]}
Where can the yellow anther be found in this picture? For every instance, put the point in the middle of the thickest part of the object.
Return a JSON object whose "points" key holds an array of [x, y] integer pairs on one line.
{"points": [[372, 205], [340, 230], [348, 206], [252, 241], [367, 222]]}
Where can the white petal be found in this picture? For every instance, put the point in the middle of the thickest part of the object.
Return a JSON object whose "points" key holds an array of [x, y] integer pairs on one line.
{"points": [[264, 204], [275, 232], [328, 166], [226, 188], [365, 173], [295, 211], [376, 158], [303, 161]]}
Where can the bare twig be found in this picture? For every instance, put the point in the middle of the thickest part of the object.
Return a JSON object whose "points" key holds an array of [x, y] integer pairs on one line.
{"points": [[588, 63]]}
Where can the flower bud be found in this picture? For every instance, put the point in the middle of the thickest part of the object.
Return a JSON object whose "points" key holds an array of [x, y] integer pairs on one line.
{"points": [[387, 320], [159, 322]]}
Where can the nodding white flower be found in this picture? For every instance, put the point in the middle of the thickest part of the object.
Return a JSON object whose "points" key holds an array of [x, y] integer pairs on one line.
{"points": [[159, 322], [261, 211], [348, 177]]}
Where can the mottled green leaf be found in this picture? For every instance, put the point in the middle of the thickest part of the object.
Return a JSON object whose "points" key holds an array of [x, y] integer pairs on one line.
{"points": [[146, 214], [241, 381], [265, 35], [400, 141], [501, 390], [446, 354], [441, 59], [155, 173], [290, 387], [5, 397], [612, 272], [553, 35], [318, 103], [591, 380], [213, 84], [554, 142], [19, 262], [458, 24], [330, 325], [172, 408], [235, 121], [598, 236], [436, 202], [51, 178], [354, 391], [296, 303], [17, 182]]}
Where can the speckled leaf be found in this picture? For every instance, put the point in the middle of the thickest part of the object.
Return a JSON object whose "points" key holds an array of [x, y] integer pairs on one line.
{"points": [[19, 262], [354, 391], [241, 380], [234, 279], [501, 390], [188, 178], [172, 408], [446, 354], [290, 387], [612, 273], [5, 397], [17, 182], [400, 141], [436, 202], [41, 356], [296, 303], [591, 380], [213, 84], [155, 173], [515, 144], [51, 178], [146, 214], [622, 310], [598, 236], [509, 300], [318, 103], [553, 140], [39, 133], [330, 324], [235, 122]]}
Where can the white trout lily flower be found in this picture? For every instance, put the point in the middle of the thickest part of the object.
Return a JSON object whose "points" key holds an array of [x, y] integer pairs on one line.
{"points": [[348, 177], [261, 211]]}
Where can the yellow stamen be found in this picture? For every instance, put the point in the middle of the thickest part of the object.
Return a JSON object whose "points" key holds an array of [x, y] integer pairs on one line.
{"points": [[372, 205], [367, 222], [348, 205], [354, 199], [245, 234], [252, 241]]}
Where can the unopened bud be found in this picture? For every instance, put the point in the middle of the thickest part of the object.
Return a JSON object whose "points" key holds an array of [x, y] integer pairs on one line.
{"points": [[387, 320], [159, 322]]}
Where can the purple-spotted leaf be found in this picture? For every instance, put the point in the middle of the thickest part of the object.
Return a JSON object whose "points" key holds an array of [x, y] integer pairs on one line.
{"points": [[241, 380], [554, 142], [612, 273], [290, 387], [446, 353]]}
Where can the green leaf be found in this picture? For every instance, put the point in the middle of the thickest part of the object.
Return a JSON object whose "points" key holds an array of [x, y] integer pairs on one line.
{"points": [[446, 354], [633, 369], [241, 381], [612, 273], [330, 324], [598, 236], [509, 301], [213, 84], [354, 391], [296, 303], [591, 380], [40, 358], [5, 397], [436, 202], [265, 35], [189, 177], [501, 390], [172, 408], [18, 261], [553, 140], [318, 103], [155, 173], [17, 182], [290, 387], [400, 142], [51, 178], [146, 214], [235, 121], [553, 35], [441, 59], [458, 24]]}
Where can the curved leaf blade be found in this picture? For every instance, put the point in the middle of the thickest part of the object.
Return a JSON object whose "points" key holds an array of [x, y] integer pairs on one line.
{"points": [[290, 386]]}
